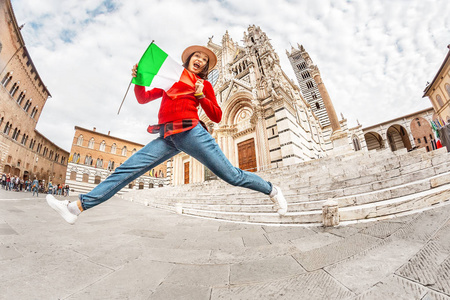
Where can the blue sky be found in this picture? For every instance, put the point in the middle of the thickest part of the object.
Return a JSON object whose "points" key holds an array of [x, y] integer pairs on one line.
{"points": [[375, 57]]}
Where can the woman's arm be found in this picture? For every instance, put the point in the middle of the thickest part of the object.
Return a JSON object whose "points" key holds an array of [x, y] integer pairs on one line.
{"points": [[143, 96], [209, 103]]}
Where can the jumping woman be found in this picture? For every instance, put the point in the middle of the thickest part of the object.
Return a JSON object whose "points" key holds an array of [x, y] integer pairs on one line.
{"points": [[179, 130]]}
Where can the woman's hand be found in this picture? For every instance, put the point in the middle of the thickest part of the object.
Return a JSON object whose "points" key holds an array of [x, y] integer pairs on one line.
{"points": [[199, 87], [134, 70]]}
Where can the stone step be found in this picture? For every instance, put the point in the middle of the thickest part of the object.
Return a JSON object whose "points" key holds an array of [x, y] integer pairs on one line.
{"points": [[263, 205], [358, 212], [368, 185], [345, 197]]}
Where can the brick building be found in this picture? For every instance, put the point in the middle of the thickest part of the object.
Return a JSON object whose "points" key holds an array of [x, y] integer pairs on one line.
{"points": [[24, 151], [94, 156]]}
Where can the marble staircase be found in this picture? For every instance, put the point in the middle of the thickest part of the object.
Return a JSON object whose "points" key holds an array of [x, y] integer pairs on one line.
{"points": [[367, 185]]}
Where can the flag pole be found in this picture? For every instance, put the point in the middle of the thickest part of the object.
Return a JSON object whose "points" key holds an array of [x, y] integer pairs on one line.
{"points": [[123, 100]]}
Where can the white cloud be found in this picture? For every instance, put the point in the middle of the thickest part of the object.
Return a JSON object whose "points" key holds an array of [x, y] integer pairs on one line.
{"points": [[375, 57]]}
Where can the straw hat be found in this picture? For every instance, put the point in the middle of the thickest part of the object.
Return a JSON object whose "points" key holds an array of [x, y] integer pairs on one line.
{"points": [[191, 49]]}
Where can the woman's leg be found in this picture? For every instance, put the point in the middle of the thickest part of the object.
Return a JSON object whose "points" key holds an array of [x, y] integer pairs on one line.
{"points": [[201, 145], [153, 154]]}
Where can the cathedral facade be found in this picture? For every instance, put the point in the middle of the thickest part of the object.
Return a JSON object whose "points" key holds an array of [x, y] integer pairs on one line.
{"points": [[266, 121]]}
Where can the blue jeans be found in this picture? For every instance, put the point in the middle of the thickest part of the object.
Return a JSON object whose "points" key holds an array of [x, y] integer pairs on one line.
{"points": [[35, 190], [196, 142]]}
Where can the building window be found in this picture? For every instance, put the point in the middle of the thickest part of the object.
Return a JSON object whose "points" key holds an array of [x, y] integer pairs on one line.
{"points": [[310, 85], [99, 163], [34, 111], [133, 151], [447, 88], [20, 98], [85, 177], [356, 144], [301, 66], [7, 79], [102, 146], [91, 143], [317, 105], [313, 95], [15, 134], [124, 151], [73, 175], [113, 148], [418, 140], [80, 140], [305, 75], [97, 179], [7, 128], [14, 88], [110, 165], [439, 101], [27, 105], [425, 139]]}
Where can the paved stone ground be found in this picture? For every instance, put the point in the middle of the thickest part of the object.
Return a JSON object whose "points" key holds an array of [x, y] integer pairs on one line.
{"points": [[123, 250]]}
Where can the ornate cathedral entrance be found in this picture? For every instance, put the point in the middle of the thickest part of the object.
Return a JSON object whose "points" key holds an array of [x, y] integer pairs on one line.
{"points": [[247, 155]]}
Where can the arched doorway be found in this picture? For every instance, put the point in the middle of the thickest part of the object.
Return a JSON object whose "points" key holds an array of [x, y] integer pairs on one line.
{"points": [[374, 141], [397, 138], [26, 175]]}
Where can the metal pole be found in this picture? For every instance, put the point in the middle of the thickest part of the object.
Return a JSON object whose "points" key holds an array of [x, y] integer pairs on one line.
{"points": [[123, 100]]}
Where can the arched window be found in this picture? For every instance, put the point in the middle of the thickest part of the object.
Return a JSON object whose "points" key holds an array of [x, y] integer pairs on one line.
{"points": [[133, 151], [356, 144], [35, 110], [447, 88], [73, 175], [110, 165], [7, 128], [14, 88], [439, 101], [99, 163], [7, 79], [317, 105], [20, 98], [27, 105], [14, 136], [102, 146], [80, 140], [97, 179], [91, 143], [124, 151], [1, 121], [113, 148]]}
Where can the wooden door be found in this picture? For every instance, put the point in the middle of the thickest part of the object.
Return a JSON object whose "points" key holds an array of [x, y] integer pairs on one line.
{"points": [[186, 172], [247, 155]]}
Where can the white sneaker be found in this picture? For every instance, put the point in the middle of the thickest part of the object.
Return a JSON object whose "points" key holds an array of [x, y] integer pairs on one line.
{"points": [[61, 208], [280, 200]]}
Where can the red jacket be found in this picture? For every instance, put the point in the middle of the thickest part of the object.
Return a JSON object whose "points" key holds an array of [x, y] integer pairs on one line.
{"points": [[183, 106]]}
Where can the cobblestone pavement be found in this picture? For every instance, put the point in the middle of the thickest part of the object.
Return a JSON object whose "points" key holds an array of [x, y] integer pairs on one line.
{"points": [[124, 250]]}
